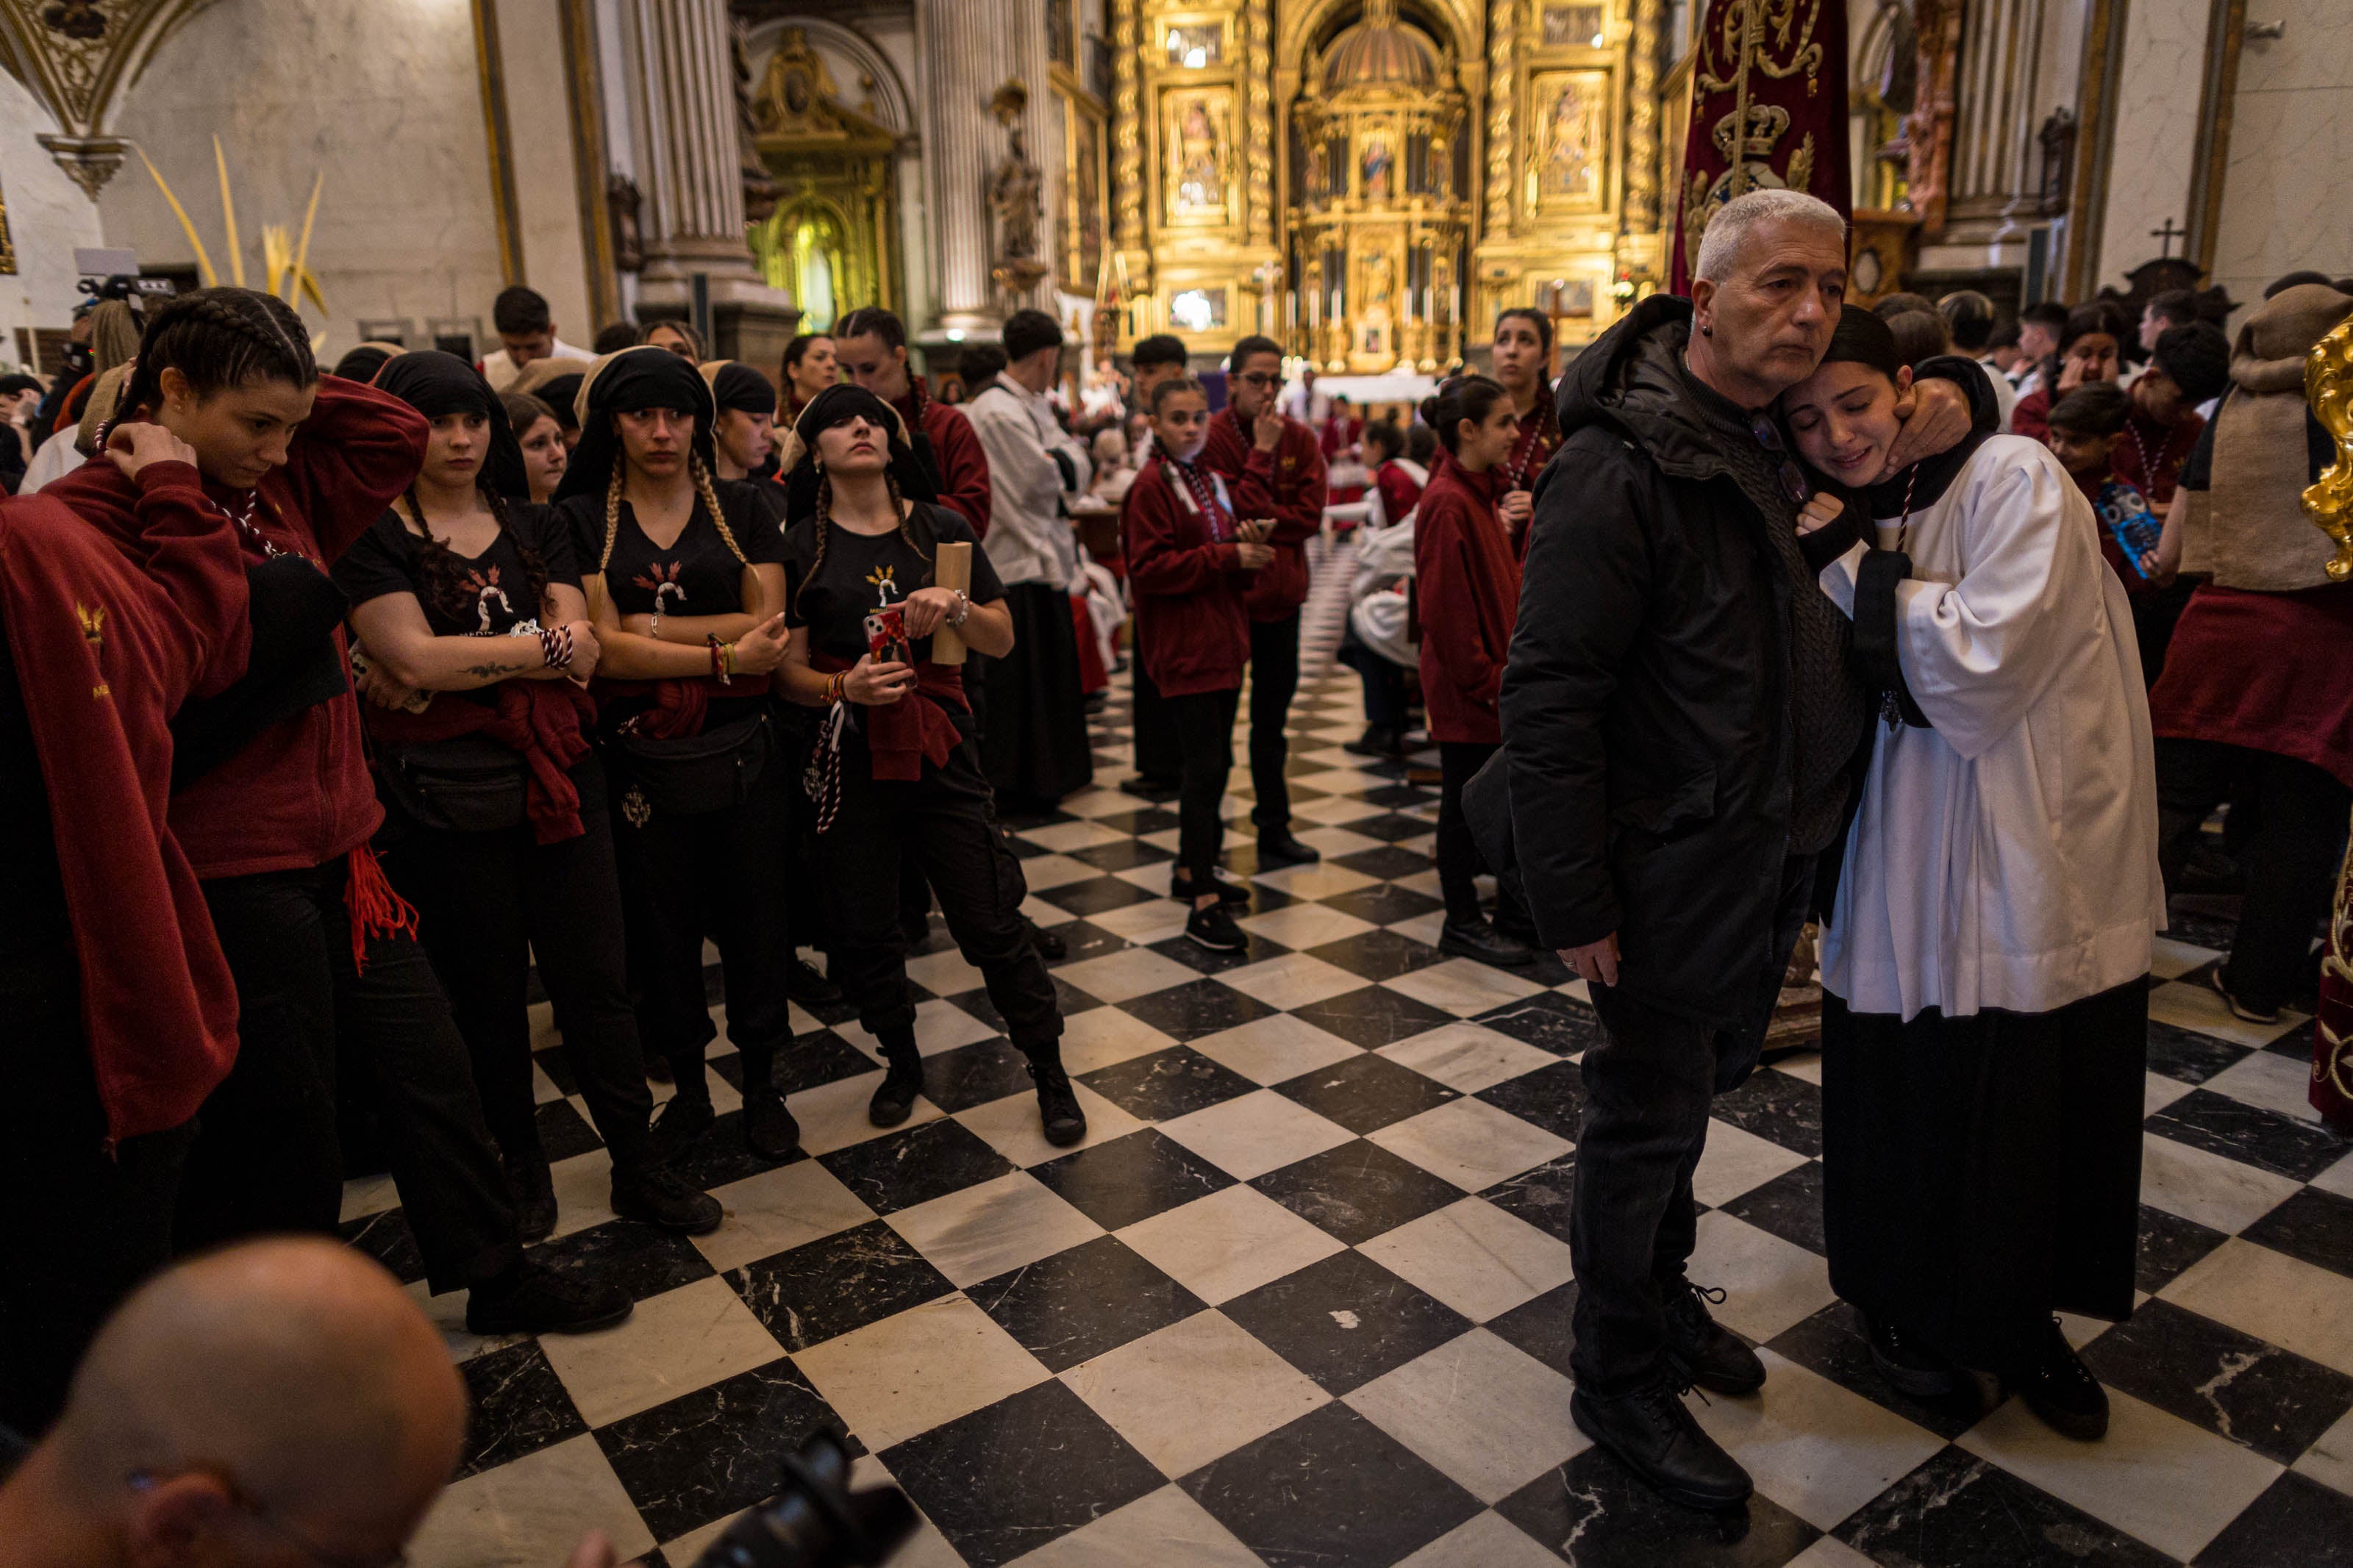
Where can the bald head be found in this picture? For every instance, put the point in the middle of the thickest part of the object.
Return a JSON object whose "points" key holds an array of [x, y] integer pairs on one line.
{"points": [[293, 1377]]}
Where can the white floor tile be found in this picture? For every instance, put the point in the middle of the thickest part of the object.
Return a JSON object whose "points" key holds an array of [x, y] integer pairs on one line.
{"points": [[2274, 1082], [1123, 976], [2273, 1297], [1737, 1161], [1305, 925], [1489, 1417], [1167, 1526], [1813, 1447], [918, 1370], [1011, 1126], [1475, 1258], [2201, 1007], [1292, 980], [1769, 1284], [2213, 1191], [1463, 986], [982, 1231], [1467, 1057], [1275, 1049], [1254, 1134], [1485, 1541], [1194, 1392], [1471, 1144], [673, 1343], [778, 1210], [531, 1512], [1229, 1242]]}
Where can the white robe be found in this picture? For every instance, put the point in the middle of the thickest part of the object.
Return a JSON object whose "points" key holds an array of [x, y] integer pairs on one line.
{"points": [[2007, 858]]}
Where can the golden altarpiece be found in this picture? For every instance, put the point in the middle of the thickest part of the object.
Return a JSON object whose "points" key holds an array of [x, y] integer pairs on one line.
{"points": [[1370, 181], [832, 239]]}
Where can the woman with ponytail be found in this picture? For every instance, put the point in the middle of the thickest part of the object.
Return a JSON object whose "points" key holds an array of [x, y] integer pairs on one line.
{"points": [[1466, 595], [1522, 359], [687, 592], [468, 602], [897, 773], [273, 806]]}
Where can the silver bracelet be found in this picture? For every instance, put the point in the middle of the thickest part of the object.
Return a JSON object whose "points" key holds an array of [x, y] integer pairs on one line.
{"points": [[654, 630], [963, 610]]}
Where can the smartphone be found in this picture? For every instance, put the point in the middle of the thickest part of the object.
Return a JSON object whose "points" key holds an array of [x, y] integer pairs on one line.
{"points": [[886, 637]]}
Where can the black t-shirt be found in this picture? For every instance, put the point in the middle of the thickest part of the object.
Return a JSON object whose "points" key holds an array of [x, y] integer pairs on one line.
{"points": [[697, 576], [862, 572], [494, 592]]}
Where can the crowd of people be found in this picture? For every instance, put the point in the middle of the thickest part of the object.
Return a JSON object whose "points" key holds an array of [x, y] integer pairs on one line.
{"points": [[336, 704]]}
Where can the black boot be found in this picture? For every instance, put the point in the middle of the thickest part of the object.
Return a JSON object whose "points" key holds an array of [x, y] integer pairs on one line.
{"points": [[894, 1097], [1477, 939], [686, 1118], [660, 1197], [1275, 844], [2061, 1389], [530, 1298], [769, 1129], [1651, 1433], [1057, 1105], [1212, 927], [1908, 1365], [1049, 946], [533, 1190], [1704, 1351]]}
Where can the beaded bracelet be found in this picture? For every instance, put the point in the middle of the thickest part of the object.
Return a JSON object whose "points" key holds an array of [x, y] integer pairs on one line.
{"points": [[720, 667], [555, 647]]}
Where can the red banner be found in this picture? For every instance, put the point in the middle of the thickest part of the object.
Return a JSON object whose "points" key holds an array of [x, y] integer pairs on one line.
{"points": [[1769, 83]]}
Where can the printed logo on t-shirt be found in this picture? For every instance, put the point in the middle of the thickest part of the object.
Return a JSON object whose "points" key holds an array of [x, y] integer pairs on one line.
{"points": [[661, 580], [486, 588], [885, 581]]}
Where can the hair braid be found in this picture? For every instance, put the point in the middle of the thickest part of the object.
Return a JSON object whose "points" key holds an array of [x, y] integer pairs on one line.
{"points": [[824, 520], [535, 564], [904, 513], [612, 513], [217, 339], [709, 494]]}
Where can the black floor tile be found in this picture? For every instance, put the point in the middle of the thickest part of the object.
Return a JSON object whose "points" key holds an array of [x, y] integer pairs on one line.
{"points": [[515, 1404], [1789, 1205], [556, 1065], [1834, 1343], [2187, 1056], [1539, 1195], [720, 1155], [1390, 826], [1123, 855], [1386, 862], [2168, 1245], [1330, 1488], [1397, 796], [1383, 905], [1203, 1007], [712, 1454], [1548, 1021], [1961, 1512], [1345, 1320], [2265, 1139], [1144, 819], [2296, 1520], [1775, 1105], [1366, 1093], [1085, 939], [564, 1133], [2227, 1382], [627, 1256], [824, 1288], [900, 1170], [2313, 1226], [1167, 1084], [1379, 956], [1552, 1097], [1594, 1513], [1130, 1179], [1096, 895], [386, 1238], [1013, 1475], [1081, 1302], [1201, 960], [1067, 996], [1357, 1191], [974, 1074], [1543, 1327], [1374, 1017], [814, 1060]]}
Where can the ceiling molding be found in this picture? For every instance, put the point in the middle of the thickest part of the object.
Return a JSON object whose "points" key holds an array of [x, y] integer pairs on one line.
{"points": [[77, 57]]}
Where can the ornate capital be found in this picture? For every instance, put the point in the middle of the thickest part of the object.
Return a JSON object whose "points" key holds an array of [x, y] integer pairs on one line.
{"points": [[77, 57]]}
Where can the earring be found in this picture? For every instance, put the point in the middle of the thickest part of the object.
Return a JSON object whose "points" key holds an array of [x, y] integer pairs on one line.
{"points": [[1707, 331]]}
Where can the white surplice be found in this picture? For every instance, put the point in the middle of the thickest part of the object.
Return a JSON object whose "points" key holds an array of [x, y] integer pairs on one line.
{"points": [[2006, 859]]}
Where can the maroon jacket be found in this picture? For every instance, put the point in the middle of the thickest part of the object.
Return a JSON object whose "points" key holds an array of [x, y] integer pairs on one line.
{"points": [[1287, 485], [299, 794], [955, 448], [1187, 586], [110, 632], [1466, 587]]}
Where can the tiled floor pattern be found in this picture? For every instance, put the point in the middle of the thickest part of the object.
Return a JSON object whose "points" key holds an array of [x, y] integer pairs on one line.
{"points": [[1302, 1297]]}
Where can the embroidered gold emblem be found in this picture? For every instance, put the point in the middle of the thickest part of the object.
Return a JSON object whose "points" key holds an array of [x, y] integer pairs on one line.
{"points": [[885, 581], [93, 632], [636, 807]]}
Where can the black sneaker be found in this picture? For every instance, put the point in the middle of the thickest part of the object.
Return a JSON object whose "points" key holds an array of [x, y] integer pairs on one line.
{"points": [[1652, 1433], [536, 1299], [534, 1189], [1477, 939], [1057, 1105], [660, 1197], [682, 1120], [805, 985], [1214, 928], [1909, 1366], [1277, 845], [769, 1129], [1180, 888], [1049, 946], [894, 1097], [1706, 1352], [2061, 1389]]}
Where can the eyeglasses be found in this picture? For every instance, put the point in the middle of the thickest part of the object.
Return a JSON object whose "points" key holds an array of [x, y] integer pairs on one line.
{"points": [[1261, 380], [261, 1514], [1791, 476]]}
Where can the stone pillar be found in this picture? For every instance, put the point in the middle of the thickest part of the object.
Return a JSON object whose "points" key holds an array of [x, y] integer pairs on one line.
{"points": [[689, 164], [967, 46], [2009, 78]]}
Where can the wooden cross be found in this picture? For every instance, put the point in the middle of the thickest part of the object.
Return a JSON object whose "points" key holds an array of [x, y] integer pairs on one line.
{"points": [[2165, 236]]}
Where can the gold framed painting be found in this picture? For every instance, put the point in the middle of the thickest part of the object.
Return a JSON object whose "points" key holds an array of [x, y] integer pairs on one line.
{"points": [[1568, 141], [1201, 175]]}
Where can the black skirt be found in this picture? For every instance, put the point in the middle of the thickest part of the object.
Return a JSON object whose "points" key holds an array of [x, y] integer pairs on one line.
{"points": [[1981, 1173], [1033, 739]]}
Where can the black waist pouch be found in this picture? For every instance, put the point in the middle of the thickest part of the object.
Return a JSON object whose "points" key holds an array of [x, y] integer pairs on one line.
{"points": [[689, 775], [468, 783]]}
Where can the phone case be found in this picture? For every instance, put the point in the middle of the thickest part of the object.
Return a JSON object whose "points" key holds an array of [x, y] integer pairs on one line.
{"points": [[886, 635]]}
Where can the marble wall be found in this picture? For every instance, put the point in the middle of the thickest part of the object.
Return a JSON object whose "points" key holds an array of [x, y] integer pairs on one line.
{"points": [[547, 196], [2157, 128], [382, 94], [48, 218], [2287, 201]]}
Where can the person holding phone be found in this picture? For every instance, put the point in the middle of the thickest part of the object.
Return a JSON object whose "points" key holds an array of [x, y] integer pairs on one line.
{"points": [[686, 589], [1522, 359]]}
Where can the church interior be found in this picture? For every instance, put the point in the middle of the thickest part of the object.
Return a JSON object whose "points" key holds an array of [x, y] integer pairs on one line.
{"points": [[1302, 1295]]}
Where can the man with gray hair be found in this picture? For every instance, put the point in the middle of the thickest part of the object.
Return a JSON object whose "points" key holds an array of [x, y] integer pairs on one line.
{"points": [[1680, 735]]}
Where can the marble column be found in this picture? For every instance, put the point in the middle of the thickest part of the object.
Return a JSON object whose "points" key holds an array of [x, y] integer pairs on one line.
{"points": [[966, 45], [689, 165], [2018, 63]]}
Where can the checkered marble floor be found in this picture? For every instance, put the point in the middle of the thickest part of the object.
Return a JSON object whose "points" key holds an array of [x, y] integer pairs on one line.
{"points": [[1302, 1296]]}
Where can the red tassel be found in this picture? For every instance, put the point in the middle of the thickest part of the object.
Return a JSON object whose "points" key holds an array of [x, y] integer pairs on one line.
{"points": [[375, 909]]}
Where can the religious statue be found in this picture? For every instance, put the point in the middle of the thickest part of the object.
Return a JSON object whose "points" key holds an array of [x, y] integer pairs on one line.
{"points": [[1200, 183], [1377, 163], [760, 189], [1571, 167], [1015, 192]]}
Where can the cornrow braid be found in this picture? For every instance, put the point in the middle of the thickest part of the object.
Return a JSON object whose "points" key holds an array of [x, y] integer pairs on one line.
{"points": [[709, 494], [217, 339]]}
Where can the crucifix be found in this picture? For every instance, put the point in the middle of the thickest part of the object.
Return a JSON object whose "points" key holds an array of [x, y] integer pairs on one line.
{"points": [[2165, 236]]}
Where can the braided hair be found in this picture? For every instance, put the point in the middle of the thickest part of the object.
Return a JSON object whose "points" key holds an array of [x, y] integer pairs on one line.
{"points": [[707, 493], [445, 580], [824, 521], [218, 339]]}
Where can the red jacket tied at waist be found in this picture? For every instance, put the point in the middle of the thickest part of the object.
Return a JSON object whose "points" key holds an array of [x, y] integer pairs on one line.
{"points": [[1286, 485], [901, 736], [544, 722], [680, 705]]}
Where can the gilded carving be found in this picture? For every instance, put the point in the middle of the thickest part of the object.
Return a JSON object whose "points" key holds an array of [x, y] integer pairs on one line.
{"points": [[1642, 118], [1197, 155], [2329, 388], [75, 57], [1127, 125], [1569, 153], [1502, 83], [1259, 120]]}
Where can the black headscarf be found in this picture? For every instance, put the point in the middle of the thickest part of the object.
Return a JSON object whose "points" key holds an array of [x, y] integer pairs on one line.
{"points": [[736, 386], [630, 382], [798, 458], [364, 360], [437, 384]]}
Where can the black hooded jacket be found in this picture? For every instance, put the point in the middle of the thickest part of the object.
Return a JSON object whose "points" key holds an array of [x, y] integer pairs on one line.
{"points": [[1644, 784]]}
